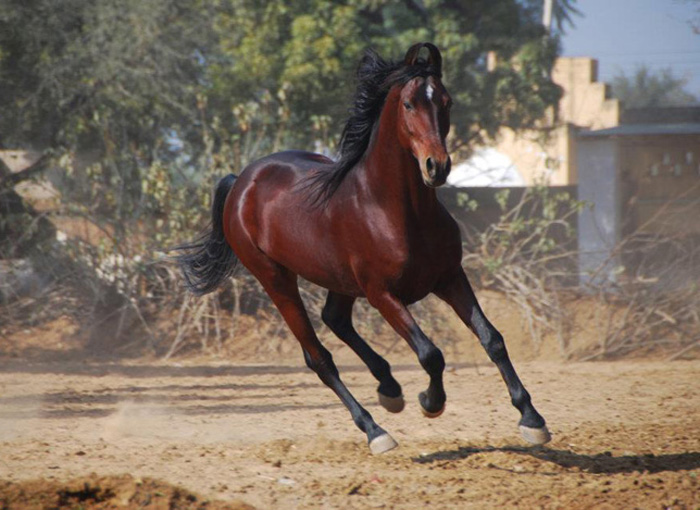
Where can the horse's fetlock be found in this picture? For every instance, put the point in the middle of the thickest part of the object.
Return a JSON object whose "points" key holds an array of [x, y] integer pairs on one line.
{"points": [[383, 368], [362, 419], [520, 398], [432, 360]]}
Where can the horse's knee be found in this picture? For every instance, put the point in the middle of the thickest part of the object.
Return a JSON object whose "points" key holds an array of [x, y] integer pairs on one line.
{"points": [[432, 360], [495, 346], [322, 364]]}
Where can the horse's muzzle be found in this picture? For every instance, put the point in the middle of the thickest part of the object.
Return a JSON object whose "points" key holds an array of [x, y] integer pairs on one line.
{"points": [[435, 172]]}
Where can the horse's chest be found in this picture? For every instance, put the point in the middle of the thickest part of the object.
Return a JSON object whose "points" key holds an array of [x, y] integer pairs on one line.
{"points": [[424, 260]]}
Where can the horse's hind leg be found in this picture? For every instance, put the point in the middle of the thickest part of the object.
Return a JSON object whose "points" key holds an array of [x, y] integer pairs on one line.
{"points": [[337, 314], [457, 292], [281, 285]]}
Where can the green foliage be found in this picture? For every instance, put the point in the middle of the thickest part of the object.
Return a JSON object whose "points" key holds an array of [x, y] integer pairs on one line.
{"points": [[197, 87], [646, 88], [106, 84], [466, 202]]}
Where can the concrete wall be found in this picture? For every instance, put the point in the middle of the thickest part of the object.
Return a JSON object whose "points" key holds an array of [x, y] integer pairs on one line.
{"points": [[489, 210], [599, 226], [660, 178]]}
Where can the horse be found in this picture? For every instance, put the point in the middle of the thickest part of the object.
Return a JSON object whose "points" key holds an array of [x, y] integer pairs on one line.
{"points": [[368, 225]]}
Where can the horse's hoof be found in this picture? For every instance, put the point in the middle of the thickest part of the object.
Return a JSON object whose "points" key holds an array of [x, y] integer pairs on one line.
{"points": [[392, 404], [535, 436], [426, 413], [381, 444]]}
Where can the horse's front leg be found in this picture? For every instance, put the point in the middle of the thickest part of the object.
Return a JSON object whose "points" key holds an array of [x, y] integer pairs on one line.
{"points": [[458, 293], [432, 400]]}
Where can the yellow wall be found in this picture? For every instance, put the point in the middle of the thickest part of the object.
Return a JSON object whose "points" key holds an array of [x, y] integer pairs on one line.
{"points": [[584, 105]]}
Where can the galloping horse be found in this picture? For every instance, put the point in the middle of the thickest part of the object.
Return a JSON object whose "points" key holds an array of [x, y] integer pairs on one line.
{"points": [[368, 225]]}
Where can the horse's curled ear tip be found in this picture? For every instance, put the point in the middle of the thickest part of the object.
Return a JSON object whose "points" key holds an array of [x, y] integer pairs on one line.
{"points": [[412, 53]]}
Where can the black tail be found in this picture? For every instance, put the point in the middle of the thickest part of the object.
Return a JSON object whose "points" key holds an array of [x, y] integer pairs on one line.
{"points": [[209, 260]]}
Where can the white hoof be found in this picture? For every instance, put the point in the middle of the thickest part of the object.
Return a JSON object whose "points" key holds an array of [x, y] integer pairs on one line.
{"points": [[382, 444], [428, 414], [535, 436], [391, 404]]}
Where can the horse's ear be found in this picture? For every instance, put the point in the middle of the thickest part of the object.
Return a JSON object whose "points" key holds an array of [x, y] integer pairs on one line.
{"points": [[434, 57], [412, 54]]}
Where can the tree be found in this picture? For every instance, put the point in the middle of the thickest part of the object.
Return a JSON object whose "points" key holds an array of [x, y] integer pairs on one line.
{"points": [[311, 48], [143, 103], [693, 21], [176, 82], [646, 88], [108, 81]]}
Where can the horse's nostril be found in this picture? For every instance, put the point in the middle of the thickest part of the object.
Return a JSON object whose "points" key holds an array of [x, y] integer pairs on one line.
{"points": [[430, 167]]}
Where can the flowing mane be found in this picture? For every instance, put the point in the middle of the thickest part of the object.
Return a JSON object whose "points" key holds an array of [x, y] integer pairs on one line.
{"points": [[375, 77]]}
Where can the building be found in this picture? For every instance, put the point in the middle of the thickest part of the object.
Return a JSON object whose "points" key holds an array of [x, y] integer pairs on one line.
{"points": [[638, 168], [586, 104], [643, 178]]}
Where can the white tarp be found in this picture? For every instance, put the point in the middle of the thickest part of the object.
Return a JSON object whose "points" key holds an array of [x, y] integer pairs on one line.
{"points": [[486, 168]]}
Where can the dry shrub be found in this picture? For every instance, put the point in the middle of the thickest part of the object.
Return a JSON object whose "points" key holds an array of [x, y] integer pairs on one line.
{"points": [[529, 254], [651, 303], [654, 302]]}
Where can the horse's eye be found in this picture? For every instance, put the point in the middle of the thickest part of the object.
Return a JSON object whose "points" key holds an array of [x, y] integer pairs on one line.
{"points": [[407, 105]]}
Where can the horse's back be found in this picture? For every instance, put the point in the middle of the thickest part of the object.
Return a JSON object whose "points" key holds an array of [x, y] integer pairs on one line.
{"points": [[269, 211], [276, 182], [272, 188], [295, 161]]}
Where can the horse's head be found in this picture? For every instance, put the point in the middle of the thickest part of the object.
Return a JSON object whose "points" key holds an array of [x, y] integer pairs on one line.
{"points": [[423, 116]]}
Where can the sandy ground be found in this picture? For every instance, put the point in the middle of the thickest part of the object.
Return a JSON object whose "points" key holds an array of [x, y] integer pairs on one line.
{"points": [[626, 434]]}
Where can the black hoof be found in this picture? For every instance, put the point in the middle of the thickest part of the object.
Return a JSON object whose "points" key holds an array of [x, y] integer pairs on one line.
{"points": [[390, 388], [392, 404], [429, 409]]}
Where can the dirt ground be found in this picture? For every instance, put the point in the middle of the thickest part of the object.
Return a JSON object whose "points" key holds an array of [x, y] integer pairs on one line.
{"points": [[626, 434]]}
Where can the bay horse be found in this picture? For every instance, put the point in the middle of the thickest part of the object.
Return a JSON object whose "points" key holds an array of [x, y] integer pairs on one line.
{"points": [[368, 225]]}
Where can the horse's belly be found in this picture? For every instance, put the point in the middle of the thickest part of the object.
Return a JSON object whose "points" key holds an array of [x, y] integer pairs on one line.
{"points": [[414, 285], [324, 271], [304, 246]]}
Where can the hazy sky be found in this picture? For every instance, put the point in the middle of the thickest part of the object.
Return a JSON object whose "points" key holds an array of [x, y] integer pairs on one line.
{"points": [[624, 33]]}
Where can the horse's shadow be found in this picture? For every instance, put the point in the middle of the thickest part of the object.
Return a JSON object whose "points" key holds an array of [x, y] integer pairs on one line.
{"points": [[596, 463]]}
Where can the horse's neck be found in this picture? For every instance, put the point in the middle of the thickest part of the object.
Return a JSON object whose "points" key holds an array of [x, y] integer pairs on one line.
{"points": [[393, 176]]}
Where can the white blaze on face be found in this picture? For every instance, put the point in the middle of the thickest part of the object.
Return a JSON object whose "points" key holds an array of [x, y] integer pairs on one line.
{"points": [[429, 92]]}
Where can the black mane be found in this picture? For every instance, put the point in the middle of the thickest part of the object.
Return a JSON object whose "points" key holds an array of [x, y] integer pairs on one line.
{"points": [[375, 77]]}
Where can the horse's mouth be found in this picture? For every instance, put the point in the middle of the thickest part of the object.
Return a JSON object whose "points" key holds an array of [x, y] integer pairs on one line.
{"points": [[435, 183]]}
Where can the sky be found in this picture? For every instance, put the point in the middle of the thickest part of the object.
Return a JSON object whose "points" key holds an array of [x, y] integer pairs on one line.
{"points": [[622, 34]]}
